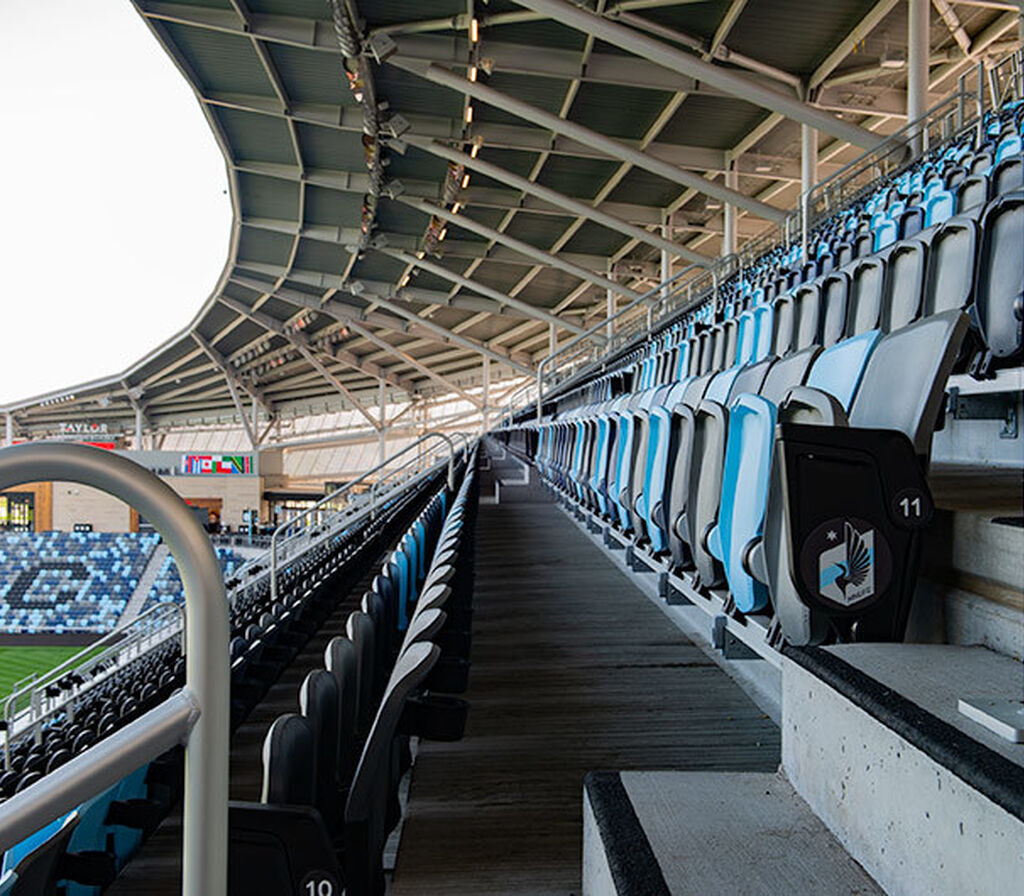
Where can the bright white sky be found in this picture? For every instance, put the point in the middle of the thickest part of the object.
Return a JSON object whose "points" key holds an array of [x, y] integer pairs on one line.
{"points": [[114, 212]]}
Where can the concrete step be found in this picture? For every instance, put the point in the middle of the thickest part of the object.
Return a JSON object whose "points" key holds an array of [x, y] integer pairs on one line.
{"points": [[926, 799], [695, 833]]}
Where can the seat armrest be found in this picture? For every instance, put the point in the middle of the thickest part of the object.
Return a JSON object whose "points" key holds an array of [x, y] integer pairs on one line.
{"points": [[812, 406]]}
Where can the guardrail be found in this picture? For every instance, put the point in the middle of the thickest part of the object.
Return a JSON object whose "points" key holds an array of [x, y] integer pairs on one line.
{"points": [[196, 716], [28, 706], [335, 495]]}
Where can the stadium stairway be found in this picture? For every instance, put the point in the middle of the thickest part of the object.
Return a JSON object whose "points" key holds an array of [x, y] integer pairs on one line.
{"points": [[156, 870], [559, 687], [149, 575]]}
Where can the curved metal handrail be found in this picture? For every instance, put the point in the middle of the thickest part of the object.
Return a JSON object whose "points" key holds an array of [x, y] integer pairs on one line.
{"points": [[197, 715], [432, 434]]}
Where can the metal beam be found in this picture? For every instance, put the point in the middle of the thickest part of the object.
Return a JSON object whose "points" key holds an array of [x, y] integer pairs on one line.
{"points": [[616, 149], [466, 283], [301, 345], [233, 383], [679, 60], [221, 363], [575, 206], [386, 346], [523, 248]]}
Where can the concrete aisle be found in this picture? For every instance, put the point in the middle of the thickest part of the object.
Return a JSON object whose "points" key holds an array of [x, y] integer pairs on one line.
{"points": [[573, 670]]}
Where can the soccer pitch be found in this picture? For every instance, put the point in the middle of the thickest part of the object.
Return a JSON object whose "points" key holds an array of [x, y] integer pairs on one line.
{"points": [[17, 663]]}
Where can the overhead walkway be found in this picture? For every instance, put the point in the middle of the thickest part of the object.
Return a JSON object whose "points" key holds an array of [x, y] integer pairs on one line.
{"points": [[574, 670]]}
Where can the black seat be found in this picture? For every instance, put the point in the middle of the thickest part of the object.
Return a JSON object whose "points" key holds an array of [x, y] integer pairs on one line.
{"points": [[319, 704]]}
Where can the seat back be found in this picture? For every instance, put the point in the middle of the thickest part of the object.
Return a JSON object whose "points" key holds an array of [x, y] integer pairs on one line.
{"points": [[319, 704], [904, 284], [866, 294], [949, 280], [34, 864], [905, 378], [341, 660], [1000, 276], [360, 630], [838, 370], [289, 762], [835, 290]]}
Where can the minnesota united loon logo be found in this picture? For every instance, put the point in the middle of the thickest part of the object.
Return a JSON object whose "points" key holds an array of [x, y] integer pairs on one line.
{"points": [[846, 572]]}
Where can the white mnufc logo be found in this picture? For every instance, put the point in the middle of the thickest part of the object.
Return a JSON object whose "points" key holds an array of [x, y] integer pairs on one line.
{"points": [[846, 572]]}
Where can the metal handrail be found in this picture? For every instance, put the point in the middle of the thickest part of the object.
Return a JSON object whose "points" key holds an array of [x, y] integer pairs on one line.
{"points": [[197, 715], [382, 479], [119, 640], [645, 297], [432, 434]]}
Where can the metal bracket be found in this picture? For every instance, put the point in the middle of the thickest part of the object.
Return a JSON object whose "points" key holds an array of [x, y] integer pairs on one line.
{"points": [[987, 406]]}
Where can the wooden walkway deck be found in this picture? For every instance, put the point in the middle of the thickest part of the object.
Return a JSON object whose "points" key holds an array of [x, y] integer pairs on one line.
{"points": [[573, 670]]}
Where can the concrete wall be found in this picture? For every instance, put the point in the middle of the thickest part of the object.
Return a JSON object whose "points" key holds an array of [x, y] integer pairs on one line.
{"points": [[237, 492], [73, 503]]}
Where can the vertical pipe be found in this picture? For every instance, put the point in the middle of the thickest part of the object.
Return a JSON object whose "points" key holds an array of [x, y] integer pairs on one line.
{"points": [[486, 392], [729, 229], [551, 339], [666, 259], [808, 176], [9, 439], [609, 307], [917, 66], [382, 432]]}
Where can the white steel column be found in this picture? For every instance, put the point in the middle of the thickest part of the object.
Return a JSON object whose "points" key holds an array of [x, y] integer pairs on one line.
{"points": [[485, 411], [382, 432], [729, 213], [9, 440], [138, 428], [808, 171], [609, 306], [917, 64], [551, 339]]}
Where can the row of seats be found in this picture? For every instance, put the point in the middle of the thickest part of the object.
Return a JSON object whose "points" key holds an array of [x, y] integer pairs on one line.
{"points": [[81, 852], [692, 464], [332, 771], [167, 587], [68, 581]]}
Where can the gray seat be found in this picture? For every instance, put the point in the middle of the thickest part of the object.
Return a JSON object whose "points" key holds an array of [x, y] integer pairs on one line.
{"points": [[852, 473], [999, 296], [366, 811], [360, 630], [904, 284], [319, 703], [867, 282]]}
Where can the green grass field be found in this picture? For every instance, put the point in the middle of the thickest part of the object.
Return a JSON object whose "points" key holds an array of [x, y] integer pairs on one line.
{"points": [[17, 663]]}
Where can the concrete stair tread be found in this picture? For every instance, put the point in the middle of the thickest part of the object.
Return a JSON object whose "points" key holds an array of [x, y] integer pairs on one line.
{"points": [[742, 833]]}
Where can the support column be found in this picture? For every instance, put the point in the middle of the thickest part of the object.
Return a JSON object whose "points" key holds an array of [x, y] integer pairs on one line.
{"points": [[485, 410], [9, 440], [666, 259], [808, 171], [382, 431], [729, 213], [609, 307], [917, 65], [551, 339], [138, 428]]}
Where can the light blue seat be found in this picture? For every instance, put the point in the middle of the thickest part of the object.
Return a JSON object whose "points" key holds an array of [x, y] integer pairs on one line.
{"points": [[886, 232], [748, 457], [939, 207]]}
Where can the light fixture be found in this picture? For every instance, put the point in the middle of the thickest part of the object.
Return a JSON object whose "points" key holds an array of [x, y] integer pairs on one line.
{"points": [[456, 208], [465, 180], [762, 169], [475, 148], [472, 73], [469, 114], [442, 234], [474, 30]]}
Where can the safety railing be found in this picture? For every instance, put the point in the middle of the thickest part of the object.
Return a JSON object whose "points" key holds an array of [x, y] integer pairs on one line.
{"points": [[333, 497], [31, 702], [196, 716], [946, 120], [583, 350]]}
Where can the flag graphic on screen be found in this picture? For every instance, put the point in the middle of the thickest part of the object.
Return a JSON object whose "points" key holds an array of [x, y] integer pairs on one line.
{"points": [[217, 464]]}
